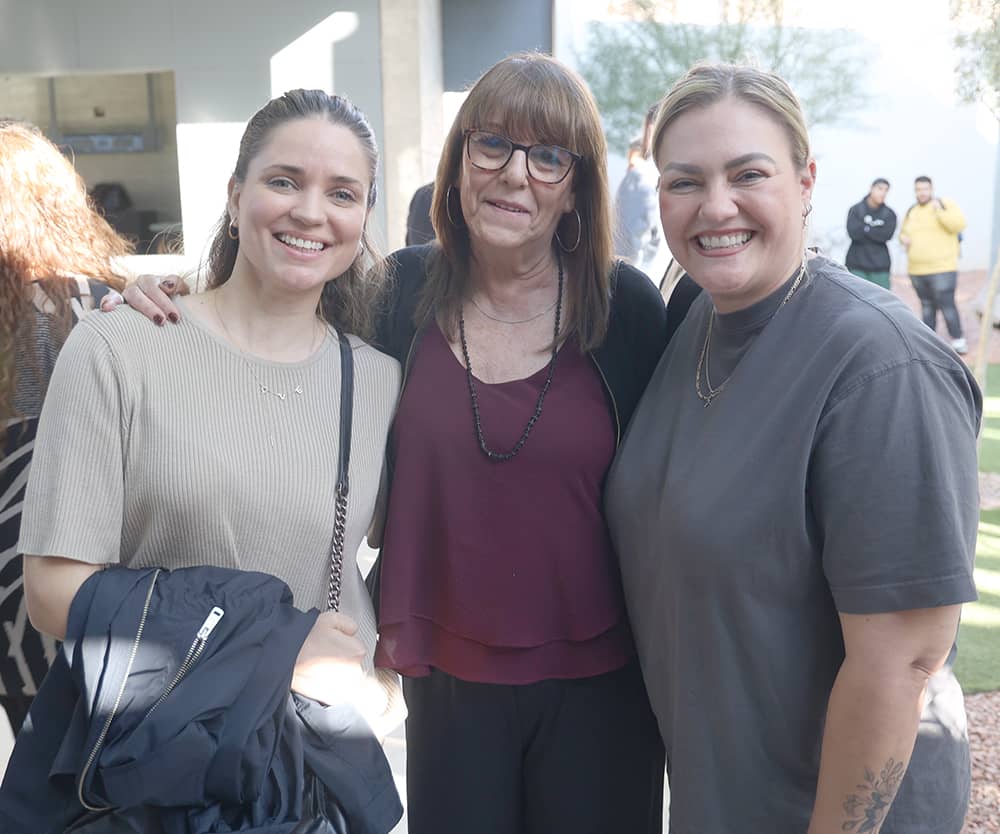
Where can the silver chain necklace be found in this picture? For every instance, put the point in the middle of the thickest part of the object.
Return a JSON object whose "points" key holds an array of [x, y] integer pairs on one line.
{"points": [[710, 393], [518, 321], [262, 387]]}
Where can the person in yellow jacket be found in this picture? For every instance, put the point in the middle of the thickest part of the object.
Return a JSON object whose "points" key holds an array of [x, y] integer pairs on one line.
{"points": [[930, 234]]}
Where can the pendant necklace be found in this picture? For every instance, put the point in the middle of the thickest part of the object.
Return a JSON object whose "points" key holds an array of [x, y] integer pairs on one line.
{"points": [[262, 387], [476, 418], [710, 393]]}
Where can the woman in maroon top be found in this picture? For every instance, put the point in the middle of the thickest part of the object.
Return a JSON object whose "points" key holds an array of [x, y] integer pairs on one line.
{"points": [[525, 348]]}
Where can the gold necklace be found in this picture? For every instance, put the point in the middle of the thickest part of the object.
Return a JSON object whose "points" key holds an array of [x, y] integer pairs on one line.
{"points": [[515, 321], [711, 393], [262, 387]]}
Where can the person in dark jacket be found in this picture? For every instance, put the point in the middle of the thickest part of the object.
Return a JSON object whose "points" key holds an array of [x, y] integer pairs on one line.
{"points": [[870, 225], [58, 258], [418, 218], [525, 348]]}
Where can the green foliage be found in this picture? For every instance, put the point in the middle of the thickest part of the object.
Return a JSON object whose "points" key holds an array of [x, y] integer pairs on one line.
{"points": [[630, 64], [978, 663], [978, 44]]}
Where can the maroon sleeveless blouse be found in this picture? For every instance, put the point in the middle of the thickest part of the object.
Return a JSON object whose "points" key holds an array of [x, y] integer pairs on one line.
{"points": [[500, 572]]}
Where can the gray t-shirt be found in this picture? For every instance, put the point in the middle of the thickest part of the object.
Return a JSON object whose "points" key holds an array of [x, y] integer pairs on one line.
{"points": [[836, 472]]}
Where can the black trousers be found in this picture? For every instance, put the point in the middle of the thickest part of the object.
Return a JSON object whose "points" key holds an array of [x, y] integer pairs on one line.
{"points": [[937, 292], [580, 756]]}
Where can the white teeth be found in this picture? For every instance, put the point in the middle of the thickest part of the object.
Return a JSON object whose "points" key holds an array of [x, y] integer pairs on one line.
{"points": [[723, 241], [299, 243]]}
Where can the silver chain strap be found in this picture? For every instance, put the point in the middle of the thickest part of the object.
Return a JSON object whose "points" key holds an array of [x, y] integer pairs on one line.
{"points": [[337, 549]]}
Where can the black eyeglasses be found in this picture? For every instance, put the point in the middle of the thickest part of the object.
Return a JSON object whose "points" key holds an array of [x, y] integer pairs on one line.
{"points": [[491, 152]]}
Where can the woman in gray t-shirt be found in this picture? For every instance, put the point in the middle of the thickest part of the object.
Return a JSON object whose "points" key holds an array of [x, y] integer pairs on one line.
{"points": [[795, 504]]}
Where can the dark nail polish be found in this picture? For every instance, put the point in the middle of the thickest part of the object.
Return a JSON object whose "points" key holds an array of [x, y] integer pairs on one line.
{"points": [[174, 318], [158, 320]]}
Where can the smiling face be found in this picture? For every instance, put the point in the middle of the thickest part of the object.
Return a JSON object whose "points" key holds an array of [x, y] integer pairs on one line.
{"points": [[302, 206], [732, 200], [507, 209]]}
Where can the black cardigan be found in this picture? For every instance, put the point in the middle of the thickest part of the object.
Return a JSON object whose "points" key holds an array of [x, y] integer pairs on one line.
{"points": [[638, 329]]}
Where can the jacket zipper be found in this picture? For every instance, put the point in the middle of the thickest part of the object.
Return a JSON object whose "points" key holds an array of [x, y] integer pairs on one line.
{"points": [[114, 709], [611, 396], [193, 653]]}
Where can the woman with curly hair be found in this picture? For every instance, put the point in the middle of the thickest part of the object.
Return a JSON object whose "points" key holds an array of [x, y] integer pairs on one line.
{"points": [[57, 257]]}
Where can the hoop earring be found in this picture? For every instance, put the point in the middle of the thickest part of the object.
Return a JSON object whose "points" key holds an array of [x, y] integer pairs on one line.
{"points": [[579, 235], [234, 231], [447, 207]]}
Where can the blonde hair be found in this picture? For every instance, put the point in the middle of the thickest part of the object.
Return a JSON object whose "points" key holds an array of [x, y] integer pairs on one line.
{"points": [[531, 95], [705, 84]]}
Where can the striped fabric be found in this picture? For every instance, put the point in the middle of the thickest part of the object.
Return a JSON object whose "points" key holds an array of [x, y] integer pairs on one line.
{"points": [[25, 655]]}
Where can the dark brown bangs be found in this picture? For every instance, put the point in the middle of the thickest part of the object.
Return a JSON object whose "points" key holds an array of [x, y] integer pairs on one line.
{"points": [[521, 101]]}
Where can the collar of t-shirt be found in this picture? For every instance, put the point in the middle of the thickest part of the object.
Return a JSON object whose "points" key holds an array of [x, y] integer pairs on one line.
{"points": [[734, 333]]}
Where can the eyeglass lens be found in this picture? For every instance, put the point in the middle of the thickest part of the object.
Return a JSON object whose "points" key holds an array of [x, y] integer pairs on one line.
{"points": [[546, 163]]}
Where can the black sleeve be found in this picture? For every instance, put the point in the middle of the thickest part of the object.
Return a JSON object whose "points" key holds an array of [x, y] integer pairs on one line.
{"points": [[856, 225], [884, 232], [394, 324], [639, 307], [680, 302]]}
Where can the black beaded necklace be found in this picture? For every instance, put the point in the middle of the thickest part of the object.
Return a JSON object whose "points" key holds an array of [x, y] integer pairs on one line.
{"points": [[502, 456]]}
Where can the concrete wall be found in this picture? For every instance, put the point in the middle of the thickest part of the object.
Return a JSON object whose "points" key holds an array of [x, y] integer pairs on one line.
{"points": [[151, 178], [224, 55], [411, 100], [477, 35]]}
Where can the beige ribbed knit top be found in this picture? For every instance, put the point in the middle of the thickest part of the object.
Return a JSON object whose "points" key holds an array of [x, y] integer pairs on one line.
{"points": [[157, 447]]}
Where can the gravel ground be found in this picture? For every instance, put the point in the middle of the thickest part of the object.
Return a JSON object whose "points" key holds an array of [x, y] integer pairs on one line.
{"points": [[984, 739]]}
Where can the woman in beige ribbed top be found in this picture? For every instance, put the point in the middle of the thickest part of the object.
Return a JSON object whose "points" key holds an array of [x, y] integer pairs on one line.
{"points": [[217, 444]]}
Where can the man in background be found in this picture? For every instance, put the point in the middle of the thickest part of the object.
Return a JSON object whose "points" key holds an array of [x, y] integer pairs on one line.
{"points": [[870, 225], [931, 234], [418, 219], [637, 209]]}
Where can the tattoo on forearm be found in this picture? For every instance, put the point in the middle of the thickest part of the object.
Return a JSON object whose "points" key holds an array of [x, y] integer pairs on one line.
{"points": [[866, 809]]}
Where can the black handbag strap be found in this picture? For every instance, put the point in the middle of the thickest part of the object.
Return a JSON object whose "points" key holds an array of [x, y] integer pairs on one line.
{"points": [[343, 465], [346, 411]]}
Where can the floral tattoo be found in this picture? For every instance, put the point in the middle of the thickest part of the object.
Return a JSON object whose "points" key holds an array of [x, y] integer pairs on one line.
{"points": [[866, 810]]}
